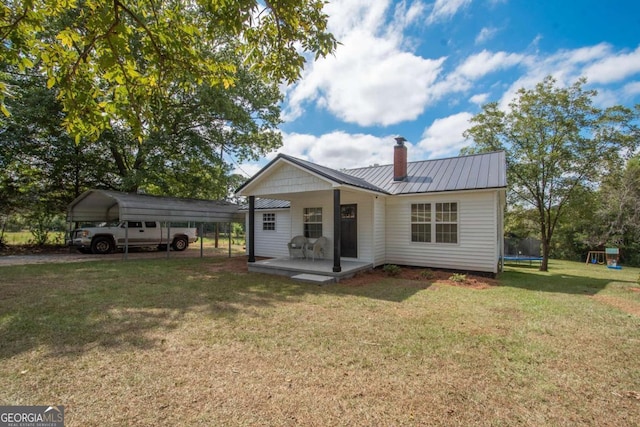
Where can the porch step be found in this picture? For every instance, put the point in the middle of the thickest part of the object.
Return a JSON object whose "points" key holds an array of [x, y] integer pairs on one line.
{"points": [[314, 278]]}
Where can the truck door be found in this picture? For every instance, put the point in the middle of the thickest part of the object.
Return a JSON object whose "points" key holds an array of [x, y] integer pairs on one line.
{"points": [[136, 234], [151, 233]]}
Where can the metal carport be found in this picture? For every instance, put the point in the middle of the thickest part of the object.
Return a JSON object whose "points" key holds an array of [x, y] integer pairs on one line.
{"points": [[107, 205]]}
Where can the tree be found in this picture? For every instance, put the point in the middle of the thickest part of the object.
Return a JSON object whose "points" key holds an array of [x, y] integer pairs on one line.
{"points": [[185, 156], [112, 62], [41, 168], [555, 141], [618, 216]]}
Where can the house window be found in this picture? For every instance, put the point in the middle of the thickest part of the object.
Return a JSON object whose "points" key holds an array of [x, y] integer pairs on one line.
{"points": [[312, 219], [268, 222], [421, 222], [446, 223], [445, 226]]}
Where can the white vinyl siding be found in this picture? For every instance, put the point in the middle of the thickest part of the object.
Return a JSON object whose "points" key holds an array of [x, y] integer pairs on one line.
{"points": [[272, 243], [476, 226], [288, 178]]}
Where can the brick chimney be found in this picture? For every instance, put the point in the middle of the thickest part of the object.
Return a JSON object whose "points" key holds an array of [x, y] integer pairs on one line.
{"points": [[399, 160]]}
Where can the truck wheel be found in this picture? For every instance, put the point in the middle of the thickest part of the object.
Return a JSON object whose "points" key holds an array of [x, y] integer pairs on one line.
{"points": [[180, 244], [101, 245]]}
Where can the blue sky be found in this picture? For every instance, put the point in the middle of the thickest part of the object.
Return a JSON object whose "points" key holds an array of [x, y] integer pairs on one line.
{"points": [[423, 69]]}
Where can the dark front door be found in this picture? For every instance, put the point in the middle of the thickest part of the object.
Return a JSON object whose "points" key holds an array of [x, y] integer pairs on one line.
{"points": [[349, 231]]}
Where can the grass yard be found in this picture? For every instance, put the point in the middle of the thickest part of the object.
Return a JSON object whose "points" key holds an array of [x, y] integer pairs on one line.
{"points": [[202, 342]]}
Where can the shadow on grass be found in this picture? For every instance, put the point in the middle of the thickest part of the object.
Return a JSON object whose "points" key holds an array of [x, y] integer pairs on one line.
{"points": [[72, 308], [559, 283]]}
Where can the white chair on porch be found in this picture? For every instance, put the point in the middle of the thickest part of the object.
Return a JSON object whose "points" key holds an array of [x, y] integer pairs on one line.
{"points": [[319, 248], [297, 247]]}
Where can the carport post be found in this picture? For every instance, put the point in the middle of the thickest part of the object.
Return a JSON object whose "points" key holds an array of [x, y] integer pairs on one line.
{"points": [[251, 230], [229, 240], [126, 240], [201, 240], [168, 238]]}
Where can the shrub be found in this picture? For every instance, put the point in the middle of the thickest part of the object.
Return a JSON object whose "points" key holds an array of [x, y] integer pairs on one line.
{"points": [[391, 269], [426, 274], [457, 277]]}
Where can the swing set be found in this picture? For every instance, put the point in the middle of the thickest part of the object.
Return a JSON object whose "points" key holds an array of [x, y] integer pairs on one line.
{"points": [[610, 257]]}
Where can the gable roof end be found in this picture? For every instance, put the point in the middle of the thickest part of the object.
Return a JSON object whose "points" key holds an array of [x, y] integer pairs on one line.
{"points": [[328, 173]]}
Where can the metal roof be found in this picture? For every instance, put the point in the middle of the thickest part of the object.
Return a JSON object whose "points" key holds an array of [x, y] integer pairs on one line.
{"points": [[474, 172], [106, 205], [268, 204]]}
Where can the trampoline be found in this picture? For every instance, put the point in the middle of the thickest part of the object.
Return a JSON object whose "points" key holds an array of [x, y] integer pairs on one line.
{"points": [[518, 258]]}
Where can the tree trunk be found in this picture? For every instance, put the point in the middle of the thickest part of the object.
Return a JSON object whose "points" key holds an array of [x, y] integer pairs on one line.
{"points": [[544, 264]]}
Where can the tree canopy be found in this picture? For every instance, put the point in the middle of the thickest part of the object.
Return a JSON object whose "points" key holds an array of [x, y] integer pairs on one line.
{"points": [[556, 142], [186, 154], [114, 62]]}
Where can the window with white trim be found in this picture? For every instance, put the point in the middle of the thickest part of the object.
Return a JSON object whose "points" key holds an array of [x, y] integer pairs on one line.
{"points": [[312, 222], [421, 222], [268, 221], [434, 219], [447, 222]]}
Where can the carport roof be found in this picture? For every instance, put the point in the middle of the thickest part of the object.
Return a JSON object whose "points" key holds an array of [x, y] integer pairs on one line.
{"points": [[107, 205]]}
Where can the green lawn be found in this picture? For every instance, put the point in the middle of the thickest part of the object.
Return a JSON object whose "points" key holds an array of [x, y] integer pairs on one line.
{"points": [[201, 342]]}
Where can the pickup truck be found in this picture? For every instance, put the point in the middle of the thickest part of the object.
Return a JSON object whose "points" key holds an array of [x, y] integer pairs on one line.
{"points": [[106, 238]]}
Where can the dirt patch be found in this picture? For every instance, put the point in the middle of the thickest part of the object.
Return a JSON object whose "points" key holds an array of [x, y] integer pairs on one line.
{"points": [[21, 255], [14, 250], [422, 275], [627, 306], [235, 264]]}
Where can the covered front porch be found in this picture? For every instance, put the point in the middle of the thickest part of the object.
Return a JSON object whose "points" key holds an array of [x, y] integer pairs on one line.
{"points": [[319, 271]]}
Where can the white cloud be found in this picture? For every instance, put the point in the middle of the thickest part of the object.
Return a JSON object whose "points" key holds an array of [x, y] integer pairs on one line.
{"points": [[444, 136], [340, 150], [247, 169], [473, 68], [566, 66], [632, 88], [372, 79], [614, 68], [407, 14], [445, 9], [479, 99], [485, 62], [485, 34]]}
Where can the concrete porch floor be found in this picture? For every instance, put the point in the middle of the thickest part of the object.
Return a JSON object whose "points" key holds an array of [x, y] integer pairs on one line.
{"points": [[297, 266]]}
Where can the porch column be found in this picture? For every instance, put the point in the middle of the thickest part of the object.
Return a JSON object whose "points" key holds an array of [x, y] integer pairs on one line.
{"points": [[251, 232], [336, 231]]}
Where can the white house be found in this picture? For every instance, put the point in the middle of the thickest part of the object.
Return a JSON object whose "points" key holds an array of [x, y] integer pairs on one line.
{"points": [[445, 213]]}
